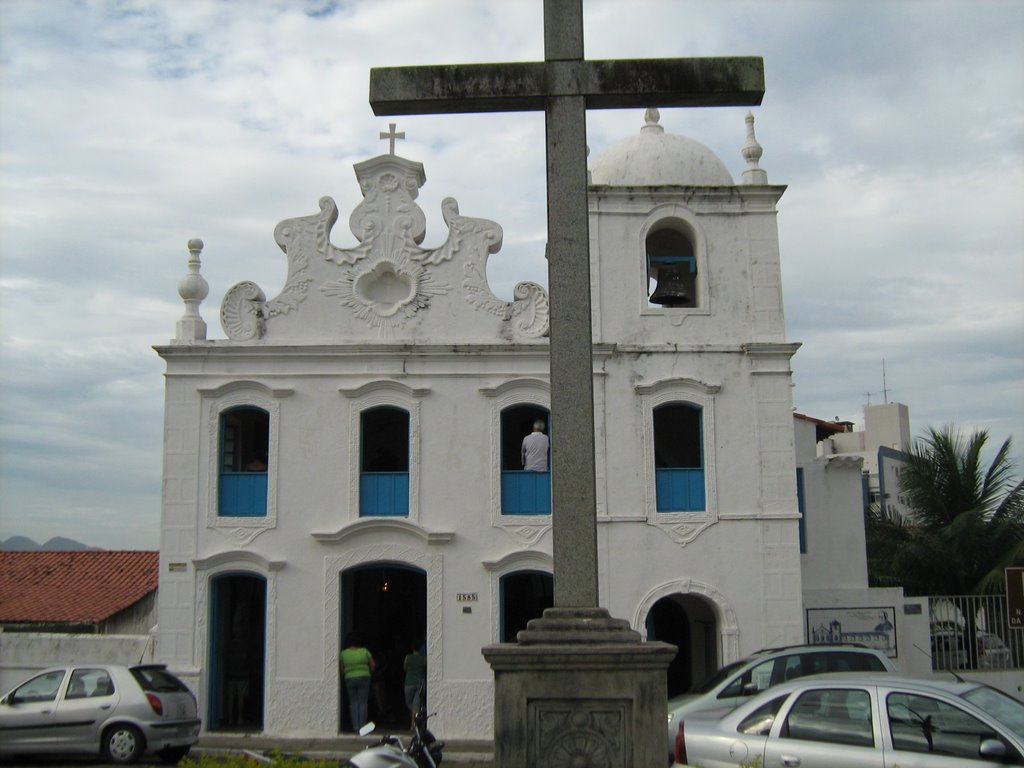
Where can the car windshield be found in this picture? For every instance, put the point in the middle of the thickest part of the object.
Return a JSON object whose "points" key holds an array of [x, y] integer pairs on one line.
{"points": [[713, 681], [157, 680], [1003, 708]]}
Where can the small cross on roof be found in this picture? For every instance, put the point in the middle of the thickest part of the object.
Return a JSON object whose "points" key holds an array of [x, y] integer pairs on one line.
{"points": [[391, 135]]}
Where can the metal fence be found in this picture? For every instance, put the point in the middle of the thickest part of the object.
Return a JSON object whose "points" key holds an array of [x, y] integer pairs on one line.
{"points": [[955, 620]]}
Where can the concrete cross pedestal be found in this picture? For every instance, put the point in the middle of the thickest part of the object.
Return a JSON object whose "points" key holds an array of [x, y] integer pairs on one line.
{"points": [[579, 688]]}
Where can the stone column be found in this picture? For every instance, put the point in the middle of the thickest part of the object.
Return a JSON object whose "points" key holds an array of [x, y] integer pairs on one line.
{"points": [[579, 689]]}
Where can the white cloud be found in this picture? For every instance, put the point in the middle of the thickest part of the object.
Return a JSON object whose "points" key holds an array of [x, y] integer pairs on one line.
{"points": [[130, 127]]}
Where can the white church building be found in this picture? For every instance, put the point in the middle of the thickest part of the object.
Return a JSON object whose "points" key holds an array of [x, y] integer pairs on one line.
{"points": [[348, 457]]}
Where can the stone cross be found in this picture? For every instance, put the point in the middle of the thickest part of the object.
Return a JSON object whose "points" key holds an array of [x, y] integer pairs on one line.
{"points": [[391, 135], [564, 85]]}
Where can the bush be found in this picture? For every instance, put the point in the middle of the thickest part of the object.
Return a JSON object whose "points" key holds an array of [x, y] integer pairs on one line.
{"points": [[239, 760]]}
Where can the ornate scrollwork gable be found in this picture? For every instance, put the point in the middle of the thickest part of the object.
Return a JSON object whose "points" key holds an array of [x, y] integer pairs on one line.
{"points": [[388, 281]]}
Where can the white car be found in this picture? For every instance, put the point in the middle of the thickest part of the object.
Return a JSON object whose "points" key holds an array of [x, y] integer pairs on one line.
{"points": [[860, 721], [735, 683], [107, 710]]}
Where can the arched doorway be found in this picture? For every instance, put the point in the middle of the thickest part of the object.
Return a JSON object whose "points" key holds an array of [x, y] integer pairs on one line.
{"points": [[524, 595], [238, 610], [386, 603], [688, 622]]}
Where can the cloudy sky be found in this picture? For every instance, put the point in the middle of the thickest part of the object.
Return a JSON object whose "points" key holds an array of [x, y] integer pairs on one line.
{"points": [[127, 128]]}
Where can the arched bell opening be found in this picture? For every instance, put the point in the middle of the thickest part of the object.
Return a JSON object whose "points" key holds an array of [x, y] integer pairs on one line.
{"points": [[671, 268]]}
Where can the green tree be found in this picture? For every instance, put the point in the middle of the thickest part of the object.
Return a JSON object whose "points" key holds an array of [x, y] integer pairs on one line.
{"points": [[966, 521]]}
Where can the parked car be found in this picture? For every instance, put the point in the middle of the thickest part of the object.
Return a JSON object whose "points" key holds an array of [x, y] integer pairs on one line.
{"points": [[992, 651], [737, 682], [862, 720], [948, 651], [107, 710]]}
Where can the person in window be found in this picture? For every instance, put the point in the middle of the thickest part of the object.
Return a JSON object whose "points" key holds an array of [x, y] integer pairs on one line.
{"points": [[535, 449], [258, 464]]}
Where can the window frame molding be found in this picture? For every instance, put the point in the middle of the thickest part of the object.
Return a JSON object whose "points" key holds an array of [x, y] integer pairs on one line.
{"points": [[724, 610], [247, 564], [377, 394], [513, 562], [656, 219], [682, 527], [215, 403], [527, 529]]}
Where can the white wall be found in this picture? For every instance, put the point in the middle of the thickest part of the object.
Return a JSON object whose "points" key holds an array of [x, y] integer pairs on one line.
{"points": [[25, 653], [836, 556], [913, 640]]}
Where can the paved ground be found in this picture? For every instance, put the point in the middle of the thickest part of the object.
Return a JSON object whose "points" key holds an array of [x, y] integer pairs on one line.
{"points": [[465, 754]]}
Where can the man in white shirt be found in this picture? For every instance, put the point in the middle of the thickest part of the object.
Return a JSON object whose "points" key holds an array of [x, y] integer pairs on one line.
{"points": [[535, 449]]}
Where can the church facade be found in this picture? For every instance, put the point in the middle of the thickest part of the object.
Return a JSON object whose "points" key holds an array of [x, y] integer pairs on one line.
{"points": [[349, 457]]}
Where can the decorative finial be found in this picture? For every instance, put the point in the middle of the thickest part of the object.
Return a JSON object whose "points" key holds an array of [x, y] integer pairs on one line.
{"points": [[193, 289], [651, 125], [391, 135], [752, 152]]}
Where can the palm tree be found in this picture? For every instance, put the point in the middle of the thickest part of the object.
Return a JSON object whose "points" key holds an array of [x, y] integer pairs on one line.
{"points": [[966, 522]]}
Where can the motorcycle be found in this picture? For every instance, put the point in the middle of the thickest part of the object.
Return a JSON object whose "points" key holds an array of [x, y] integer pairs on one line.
{"points": [[423, 751]]}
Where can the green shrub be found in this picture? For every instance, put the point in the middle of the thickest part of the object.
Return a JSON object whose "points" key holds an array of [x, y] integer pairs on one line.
{"points": [[239, 760]]}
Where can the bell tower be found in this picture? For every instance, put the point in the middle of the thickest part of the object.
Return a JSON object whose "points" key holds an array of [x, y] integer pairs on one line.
{"points": [[681, 253], [694, 374]]}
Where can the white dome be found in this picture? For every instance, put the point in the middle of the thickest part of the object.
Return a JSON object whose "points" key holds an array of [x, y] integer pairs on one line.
{"points": [[654, 158]]}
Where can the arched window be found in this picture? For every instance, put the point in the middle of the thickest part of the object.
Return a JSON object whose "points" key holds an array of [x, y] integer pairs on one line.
{"points": [[244, 437], [524, 491], [525, 595], [384, 463], [671, 269], [678, 458]]}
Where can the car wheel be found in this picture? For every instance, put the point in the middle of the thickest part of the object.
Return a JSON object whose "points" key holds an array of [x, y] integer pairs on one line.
{"points": [[172, 754], [123, 744]]}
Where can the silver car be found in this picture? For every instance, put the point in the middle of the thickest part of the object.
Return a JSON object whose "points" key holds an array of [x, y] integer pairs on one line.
{"points": [[735, 683], [860, 721], [107, 710]]}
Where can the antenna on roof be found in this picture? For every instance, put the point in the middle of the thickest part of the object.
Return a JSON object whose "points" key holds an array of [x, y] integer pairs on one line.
{"points": [[145, 647]]}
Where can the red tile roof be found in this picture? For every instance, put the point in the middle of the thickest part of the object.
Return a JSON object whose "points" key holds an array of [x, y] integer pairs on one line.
{"points": [[73, 587]]}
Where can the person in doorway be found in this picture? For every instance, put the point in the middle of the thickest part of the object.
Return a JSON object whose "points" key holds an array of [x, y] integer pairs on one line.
{"points": [[237, 681], [415, 666], [356, 665], [535, 449]]}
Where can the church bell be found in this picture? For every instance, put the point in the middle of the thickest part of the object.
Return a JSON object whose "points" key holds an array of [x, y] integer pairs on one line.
{"points": [[671, 288]]}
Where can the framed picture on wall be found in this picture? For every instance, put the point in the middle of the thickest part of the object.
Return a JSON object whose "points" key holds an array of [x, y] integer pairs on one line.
{"points": [[869, 625]]}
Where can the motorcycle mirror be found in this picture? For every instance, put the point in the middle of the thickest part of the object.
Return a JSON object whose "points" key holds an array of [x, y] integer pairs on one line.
{"points": [[367, 729]]}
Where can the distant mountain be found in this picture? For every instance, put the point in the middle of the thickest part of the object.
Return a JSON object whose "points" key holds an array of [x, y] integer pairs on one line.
{"points": [[25, 544]]}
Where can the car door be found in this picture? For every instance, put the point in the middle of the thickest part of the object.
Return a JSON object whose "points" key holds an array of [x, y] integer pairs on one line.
{"points": [[827, 728], [926, 732], [753, 681], [28, 713], [87, 703]]}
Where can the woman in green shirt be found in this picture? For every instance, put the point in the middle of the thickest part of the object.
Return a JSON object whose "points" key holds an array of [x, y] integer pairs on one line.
{"points": [[356, 664]]}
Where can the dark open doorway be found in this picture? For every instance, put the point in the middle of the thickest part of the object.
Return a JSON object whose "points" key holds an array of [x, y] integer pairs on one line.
{"points": [[688, 622], [525, 595], [238, 608], [386, 603]]}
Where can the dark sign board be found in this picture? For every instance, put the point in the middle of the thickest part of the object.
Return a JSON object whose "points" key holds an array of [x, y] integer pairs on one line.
{"points": [[1015, 597]]}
